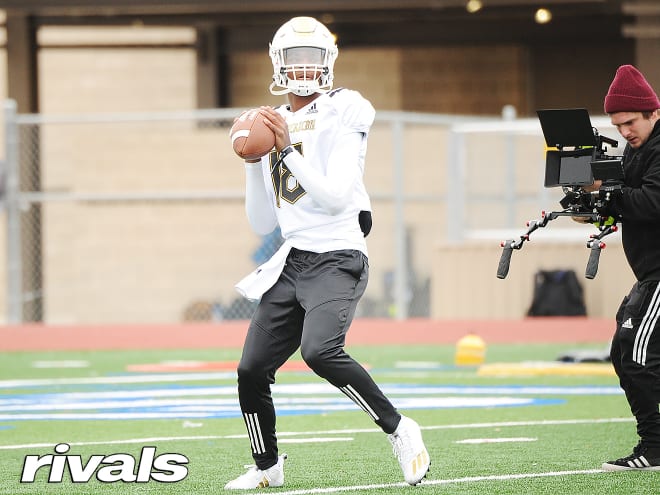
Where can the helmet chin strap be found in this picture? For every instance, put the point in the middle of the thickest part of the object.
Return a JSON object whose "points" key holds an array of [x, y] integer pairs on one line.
{"points": [[278, 92]]}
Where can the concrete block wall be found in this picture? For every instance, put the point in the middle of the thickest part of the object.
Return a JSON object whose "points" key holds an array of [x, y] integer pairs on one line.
{"points": [[465, 284], [147, 261]]}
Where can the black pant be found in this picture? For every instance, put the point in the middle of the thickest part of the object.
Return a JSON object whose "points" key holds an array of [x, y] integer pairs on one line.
{"points": [[311, 306], [636, 356]]}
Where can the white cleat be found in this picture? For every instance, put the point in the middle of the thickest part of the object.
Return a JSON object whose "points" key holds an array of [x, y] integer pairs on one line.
{"points": [[410, 451], [256, 478]]}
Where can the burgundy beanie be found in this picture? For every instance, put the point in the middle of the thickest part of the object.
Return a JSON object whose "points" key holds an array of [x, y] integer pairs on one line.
{"points": [[630, 92]]}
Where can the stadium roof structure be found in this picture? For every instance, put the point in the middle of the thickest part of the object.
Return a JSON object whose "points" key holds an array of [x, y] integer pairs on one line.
{"points": [[249, 24], [360, 22]]}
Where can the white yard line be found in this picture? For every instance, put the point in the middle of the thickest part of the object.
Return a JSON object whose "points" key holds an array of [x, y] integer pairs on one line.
{"points": [[472, 479], [478, 441], [326, 432], [315, 440], [542, 422], [95, 380], [307, 388]]}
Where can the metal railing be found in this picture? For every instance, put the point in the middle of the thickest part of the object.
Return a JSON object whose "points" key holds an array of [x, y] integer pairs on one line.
{"points": [[139, 217]]}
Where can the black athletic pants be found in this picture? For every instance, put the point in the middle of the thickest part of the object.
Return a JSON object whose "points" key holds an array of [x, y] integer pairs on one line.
{"points": [[636, 357], [311, 306]]}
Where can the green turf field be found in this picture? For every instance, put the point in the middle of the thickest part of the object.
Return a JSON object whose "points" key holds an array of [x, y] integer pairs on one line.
{"points": [[530, 434]]}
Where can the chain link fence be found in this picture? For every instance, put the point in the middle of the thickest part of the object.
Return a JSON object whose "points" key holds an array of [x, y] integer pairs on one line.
{"points": [[139, 218]]}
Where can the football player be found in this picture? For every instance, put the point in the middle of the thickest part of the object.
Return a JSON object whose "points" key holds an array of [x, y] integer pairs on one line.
{"points": [[312, 187]]}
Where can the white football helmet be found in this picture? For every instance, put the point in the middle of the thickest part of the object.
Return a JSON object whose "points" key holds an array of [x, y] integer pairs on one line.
{"points": [[303, 52]]}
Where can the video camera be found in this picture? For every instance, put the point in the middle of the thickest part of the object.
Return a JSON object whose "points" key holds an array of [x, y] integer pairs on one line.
{"points": [[575, 157]]}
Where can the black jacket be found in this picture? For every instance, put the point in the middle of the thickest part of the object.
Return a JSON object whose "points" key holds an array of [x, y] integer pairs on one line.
{"points": [[638, 207]]}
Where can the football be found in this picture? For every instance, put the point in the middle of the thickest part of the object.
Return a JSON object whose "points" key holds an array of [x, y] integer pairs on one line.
{"points": [[250, 137]]}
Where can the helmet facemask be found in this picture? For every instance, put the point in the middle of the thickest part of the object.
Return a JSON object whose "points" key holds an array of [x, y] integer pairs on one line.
{"points": [[303, 53]]}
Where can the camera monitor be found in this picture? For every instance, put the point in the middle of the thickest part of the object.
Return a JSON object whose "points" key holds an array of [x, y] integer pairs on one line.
{"points": [[608, 170], [568, 128], [568, 168]]}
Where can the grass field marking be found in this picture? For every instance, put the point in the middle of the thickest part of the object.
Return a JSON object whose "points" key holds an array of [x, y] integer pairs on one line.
{"points": [[67, 363], [104, 380], [316, 440], [119, 442], [425, 483], [311, 388], [329, 432], [477, 441], [543, 422]]}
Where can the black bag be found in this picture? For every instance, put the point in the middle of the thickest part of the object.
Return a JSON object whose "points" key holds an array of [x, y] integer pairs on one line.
{"points": [[557, 293]]}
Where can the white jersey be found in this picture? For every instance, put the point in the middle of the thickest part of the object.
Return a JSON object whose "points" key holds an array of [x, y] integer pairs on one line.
{"points": [[317, 132]]}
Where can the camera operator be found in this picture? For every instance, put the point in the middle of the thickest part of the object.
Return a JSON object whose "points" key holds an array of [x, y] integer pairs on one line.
{"points": [[633, 107]]}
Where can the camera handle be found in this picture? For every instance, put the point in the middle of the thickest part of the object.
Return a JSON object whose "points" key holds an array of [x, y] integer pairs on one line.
{"points": [[595, 245], [592, 266], [510, 244]]}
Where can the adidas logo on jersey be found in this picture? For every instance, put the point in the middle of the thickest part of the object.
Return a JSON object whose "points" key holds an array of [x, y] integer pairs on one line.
{"points": [[627, 324], [312, 109]]}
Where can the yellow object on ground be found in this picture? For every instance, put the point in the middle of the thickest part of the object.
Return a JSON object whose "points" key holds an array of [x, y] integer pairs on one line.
{"points": [[470, 351], [546, 368]]}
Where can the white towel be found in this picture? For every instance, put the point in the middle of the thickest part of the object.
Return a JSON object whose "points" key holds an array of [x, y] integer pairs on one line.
{"points": [[254, 285]]}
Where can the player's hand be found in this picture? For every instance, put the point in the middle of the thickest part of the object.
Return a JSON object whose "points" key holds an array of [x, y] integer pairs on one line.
{"points": [[279, 127], [582, 220], [593, 187]]}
